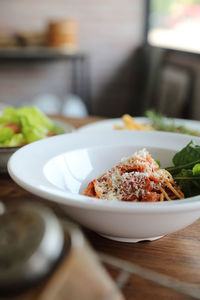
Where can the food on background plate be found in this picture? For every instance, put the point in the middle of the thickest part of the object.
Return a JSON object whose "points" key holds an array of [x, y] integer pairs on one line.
{"points": [[131, 124], [161, 123], [136, 178], [20, 126], [156, 121]]}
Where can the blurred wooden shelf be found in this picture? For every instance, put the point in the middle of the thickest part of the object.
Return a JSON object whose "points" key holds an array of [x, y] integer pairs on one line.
{"points": [[80, 65], [37, 53]]}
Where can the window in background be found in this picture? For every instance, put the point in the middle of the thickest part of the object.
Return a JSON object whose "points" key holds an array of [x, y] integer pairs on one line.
{"points": [[174, 24]]}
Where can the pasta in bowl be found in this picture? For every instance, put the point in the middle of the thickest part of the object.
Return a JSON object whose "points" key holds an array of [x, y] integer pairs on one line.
{"points": [[67, 163], [135, 178]]}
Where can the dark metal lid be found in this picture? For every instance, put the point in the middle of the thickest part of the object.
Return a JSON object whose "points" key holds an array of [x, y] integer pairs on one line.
{"points": [[31, 242]]}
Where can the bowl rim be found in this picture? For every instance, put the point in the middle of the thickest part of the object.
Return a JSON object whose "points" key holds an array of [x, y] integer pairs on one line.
{"points": [[9, 149], [52, 193]]}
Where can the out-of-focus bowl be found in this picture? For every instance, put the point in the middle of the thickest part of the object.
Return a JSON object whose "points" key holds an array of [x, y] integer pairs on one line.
{"points": [[63, 166], [6, 152]]}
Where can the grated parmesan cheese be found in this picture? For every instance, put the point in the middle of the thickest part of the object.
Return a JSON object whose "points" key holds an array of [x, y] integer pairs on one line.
{"points": [[134, 178]]}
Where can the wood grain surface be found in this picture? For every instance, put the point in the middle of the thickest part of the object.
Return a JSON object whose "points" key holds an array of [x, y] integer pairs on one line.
{"points": [[176, 255]]}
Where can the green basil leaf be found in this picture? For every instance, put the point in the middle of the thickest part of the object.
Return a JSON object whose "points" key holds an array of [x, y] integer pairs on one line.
{"points": [[188, 154], [158, 162], [186, 173], [196, 170]]}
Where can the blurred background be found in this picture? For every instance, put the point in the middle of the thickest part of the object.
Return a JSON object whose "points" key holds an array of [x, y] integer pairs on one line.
{"points": [[104, 58]]}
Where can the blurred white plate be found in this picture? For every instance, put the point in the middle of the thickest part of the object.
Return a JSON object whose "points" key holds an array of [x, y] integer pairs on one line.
{"points": [[109, 124], [68, 128]]}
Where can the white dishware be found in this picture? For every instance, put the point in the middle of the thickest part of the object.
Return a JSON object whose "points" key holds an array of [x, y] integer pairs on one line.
{"points": [[60, 167], [109, 124]]}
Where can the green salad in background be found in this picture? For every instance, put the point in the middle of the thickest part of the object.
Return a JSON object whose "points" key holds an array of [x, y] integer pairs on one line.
{"points": [[161, 123], [21, 126]]}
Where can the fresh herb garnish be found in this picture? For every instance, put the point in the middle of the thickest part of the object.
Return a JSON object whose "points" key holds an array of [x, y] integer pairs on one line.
{"points": [[161, 123], [158, 162], [186, 169]]}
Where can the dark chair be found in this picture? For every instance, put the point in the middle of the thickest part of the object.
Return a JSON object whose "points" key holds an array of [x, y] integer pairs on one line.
{"points": [[161, 85]]}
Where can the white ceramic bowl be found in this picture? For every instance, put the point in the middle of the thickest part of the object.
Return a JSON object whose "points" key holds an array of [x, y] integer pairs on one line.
{"points": [[5, 154], [60, 167]]}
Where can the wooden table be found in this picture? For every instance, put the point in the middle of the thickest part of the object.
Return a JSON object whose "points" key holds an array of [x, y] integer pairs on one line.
{"points": [[176, 255]]}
